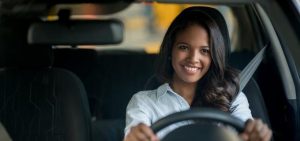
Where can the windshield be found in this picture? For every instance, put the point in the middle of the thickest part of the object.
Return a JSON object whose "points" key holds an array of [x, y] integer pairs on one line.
{"points": [[145, 25]]}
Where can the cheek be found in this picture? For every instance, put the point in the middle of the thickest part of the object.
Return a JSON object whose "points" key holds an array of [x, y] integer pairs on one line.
{"points": [[176, 56], [174, 61], [179, 55], [208, 62]]}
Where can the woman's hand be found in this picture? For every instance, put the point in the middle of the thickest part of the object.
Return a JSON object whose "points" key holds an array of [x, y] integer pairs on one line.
{"points": [[141, 132], [256, 130]]}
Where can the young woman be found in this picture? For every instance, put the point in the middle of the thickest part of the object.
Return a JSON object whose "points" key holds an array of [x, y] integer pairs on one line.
{"points": [[192, 63]]}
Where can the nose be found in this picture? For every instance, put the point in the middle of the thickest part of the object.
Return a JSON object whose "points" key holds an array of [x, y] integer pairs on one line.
{"points": [[194, 56]]}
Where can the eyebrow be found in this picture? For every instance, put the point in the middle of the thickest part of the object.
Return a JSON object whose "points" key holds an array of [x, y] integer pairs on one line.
{"points": [[189, 44], [204, 46], [181, 43]]}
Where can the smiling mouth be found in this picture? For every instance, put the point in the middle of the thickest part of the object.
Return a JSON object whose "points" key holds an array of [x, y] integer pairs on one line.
{"points": [[191, 69]]}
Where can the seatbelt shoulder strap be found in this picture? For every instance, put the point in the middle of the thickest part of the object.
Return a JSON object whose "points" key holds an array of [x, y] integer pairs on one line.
{"points": [[251, 67]]}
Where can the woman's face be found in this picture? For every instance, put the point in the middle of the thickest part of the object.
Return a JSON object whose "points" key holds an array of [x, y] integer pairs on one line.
{"points": [[191, 57]]}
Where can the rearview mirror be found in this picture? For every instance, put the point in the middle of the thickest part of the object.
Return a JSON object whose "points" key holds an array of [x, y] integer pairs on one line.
{"points": [[76, 32]]}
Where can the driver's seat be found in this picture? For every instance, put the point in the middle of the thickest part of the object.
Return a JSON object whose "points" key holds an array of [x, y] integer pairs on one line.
{"points": [[251, 90]]}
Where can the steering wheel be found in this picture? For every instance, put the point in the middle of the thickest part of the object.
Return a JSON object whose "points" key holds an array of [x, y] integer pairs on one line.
{"points": [[204, 131]]}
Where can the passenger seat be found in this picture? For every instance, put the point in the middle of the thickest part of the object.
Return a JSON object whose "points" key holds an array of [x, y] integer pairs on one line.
{"points": [[38, 102]]}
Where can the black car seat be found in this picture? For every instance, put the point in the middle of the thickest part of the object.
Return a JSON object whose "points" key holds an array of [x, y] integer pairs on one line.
{"points": [[239, 60], [38, 102]]}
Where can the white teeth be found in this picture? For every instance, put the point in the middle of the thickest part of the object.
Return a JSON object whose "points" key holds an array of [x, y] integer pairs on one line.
{"points": [[191, 69]]}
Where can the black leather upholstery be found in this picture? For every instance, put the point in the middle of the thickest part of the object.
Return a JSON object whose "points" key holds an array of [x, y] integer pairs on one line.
{"points": [[43, 104], [110, 79], [38, 102], [252, 91], [108, 130]]}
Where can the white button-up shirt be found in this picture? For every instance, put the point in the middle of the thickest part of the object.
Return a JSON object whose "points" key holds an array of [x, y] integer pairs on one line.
{"points": [[149, 106]]}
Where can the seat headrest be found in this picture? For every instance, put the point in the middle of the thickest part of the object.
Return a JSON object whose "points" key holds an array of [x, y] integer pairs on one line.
{"points": [[28, 57]]}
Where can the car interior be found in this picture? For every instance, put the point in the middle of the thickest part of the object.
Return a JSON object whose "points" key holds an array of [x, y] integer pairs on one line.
{"points": [[65, 74]]}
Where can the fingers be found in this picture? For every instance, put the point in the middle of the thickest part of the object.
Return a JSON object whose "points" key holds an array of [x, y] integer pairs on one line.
{"points": [[265, 134], [256, 130], [148, 132], [255, 133], [141, 132], [268, 136], [249, 126], [248, 129]]}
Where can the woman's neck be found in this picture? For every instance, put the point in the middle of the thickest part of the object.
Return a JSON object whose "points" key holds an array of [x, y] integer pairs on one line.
{"points": [[186, 90]]}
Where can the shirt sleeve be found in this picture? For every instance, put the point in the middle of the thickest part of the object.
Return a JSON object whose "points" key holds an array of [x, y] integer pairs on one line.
{"points": [[240, 107], [137, 112]]}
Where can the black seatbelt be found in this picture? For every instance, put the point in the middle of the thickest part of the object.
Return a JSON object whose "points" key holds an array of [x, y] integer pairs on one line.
{"points": [[251, 67]]}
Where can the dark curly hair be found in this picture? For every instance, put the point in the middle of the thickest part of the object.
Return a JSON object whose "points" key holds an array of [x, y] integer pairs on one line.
{"points": [[220, 84]]}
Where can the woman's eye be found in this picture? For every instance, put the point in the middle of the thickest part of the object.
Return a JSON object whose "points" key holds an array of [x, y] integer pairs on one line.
{"points": [[205, 51], [183, 47]]}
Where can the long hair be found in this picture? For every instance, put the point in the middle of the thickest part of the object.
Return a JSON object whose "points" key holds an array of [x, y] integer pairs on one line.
{"points": [[220, 84]]}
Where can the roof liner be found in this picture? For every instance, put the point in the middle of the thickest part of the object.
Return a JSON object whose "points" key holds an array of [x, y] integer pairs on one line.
{"points": [[52, 7], [206, 1], [20, 2], [41, 6]]}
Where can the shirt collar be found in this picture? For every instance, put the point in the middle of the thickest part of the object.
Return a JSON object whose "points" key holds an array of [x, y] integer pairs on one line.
{"points": [[163, 89]]}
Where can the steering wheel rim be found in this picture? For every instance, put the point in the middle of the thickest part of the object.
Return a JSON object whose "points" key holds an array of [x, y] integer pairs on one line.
{"points": [[199, 114]]}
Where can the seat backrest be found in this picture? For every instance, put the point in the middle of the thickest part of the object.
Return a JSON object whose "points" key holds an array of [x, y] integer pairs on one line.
{"points": [[39, 102], [110, 79], [44, 104], [124, 76], [252, 91]]}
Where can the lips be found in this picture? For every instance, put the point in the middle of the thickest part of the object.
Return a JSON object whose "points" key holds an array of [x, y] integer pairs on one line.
{"points": [[191, 69]]}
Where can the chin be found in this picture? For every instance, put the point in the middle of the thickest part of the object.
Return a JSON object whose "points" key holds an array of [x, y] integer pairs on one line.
{"points": [[191, 80]]}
